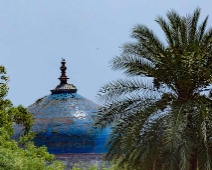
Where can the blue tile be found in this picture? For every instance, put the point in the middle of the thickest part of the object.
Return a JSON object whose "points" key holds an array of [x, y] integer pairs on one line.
{"points": [[64, 123]]}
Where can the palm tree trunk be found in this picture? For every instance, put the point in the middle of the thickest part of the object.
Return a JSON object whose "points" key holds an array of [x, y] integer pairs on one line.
{"points": [[193, 160]]}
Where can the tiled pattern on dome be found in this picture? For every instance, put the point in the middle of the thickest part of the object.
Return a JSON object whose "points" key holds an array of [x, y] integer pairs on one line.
{"points": [[64, 123]]}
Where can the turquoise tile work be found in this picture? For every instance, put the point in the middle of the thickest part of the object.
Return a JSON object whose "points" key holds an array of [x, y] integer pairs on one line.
{"points": [[64, 123]]}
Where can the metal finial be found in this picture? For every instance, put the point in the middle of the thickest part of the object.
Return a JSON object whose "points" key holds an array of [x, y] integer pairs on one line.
{"points": [[64, 87], [63, 78]]}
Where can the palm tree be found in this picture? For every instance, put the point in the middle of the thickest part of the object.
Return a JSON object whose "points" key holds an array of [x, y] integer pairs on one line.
{"points": [[167, 123]]}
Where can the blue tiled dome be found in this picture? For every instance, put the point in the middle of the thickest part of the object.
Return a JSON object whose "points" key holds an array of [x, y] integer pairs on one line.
{"points": [[64, 121]]}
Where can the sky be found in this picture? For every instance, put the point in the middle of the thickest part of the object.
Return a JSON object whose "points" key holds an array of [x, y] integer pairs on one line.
{"points": [[36, 34]]}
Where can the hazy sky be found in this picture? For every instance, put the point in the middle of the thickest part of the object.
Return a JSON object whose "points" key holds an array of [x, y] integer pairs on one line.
{"points": [[36, 34]]}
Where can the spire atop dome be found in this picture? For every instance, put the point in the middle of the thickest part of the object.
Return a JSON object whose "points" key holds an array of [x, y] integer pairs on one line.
{"points": [[64, 87], [63, 78]]}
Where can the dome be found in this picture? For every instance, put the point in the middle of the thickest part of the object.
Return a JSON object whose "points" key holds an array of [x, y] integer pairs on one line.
{"points": [[64, 121]]}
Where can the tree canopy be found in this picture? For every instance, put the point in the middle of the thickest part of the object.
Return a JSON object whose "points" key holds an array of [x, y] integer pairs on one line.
{"points": [[12, 156], [167, 123]]}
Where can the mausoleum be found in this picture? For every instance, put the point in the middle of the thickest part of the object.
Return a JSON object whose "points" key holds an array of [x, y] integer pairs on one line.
{"points": [[64, 123]]}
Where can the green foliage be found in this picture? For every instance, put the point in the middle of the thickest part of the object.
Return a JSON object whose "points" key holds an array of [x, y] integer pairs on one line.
{"points": [[13, 157], [90, 166], [110, 166], [167, 123]]}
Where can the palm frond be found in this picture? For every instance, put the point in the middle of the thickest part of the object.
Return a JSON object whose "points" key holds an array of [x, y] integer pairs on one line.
{"points": [[201, 30], [120, 87], [147, 38], [133, 66], [122, 107], [136, 49], [166, 29], [193, 26], [174, 20]]}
